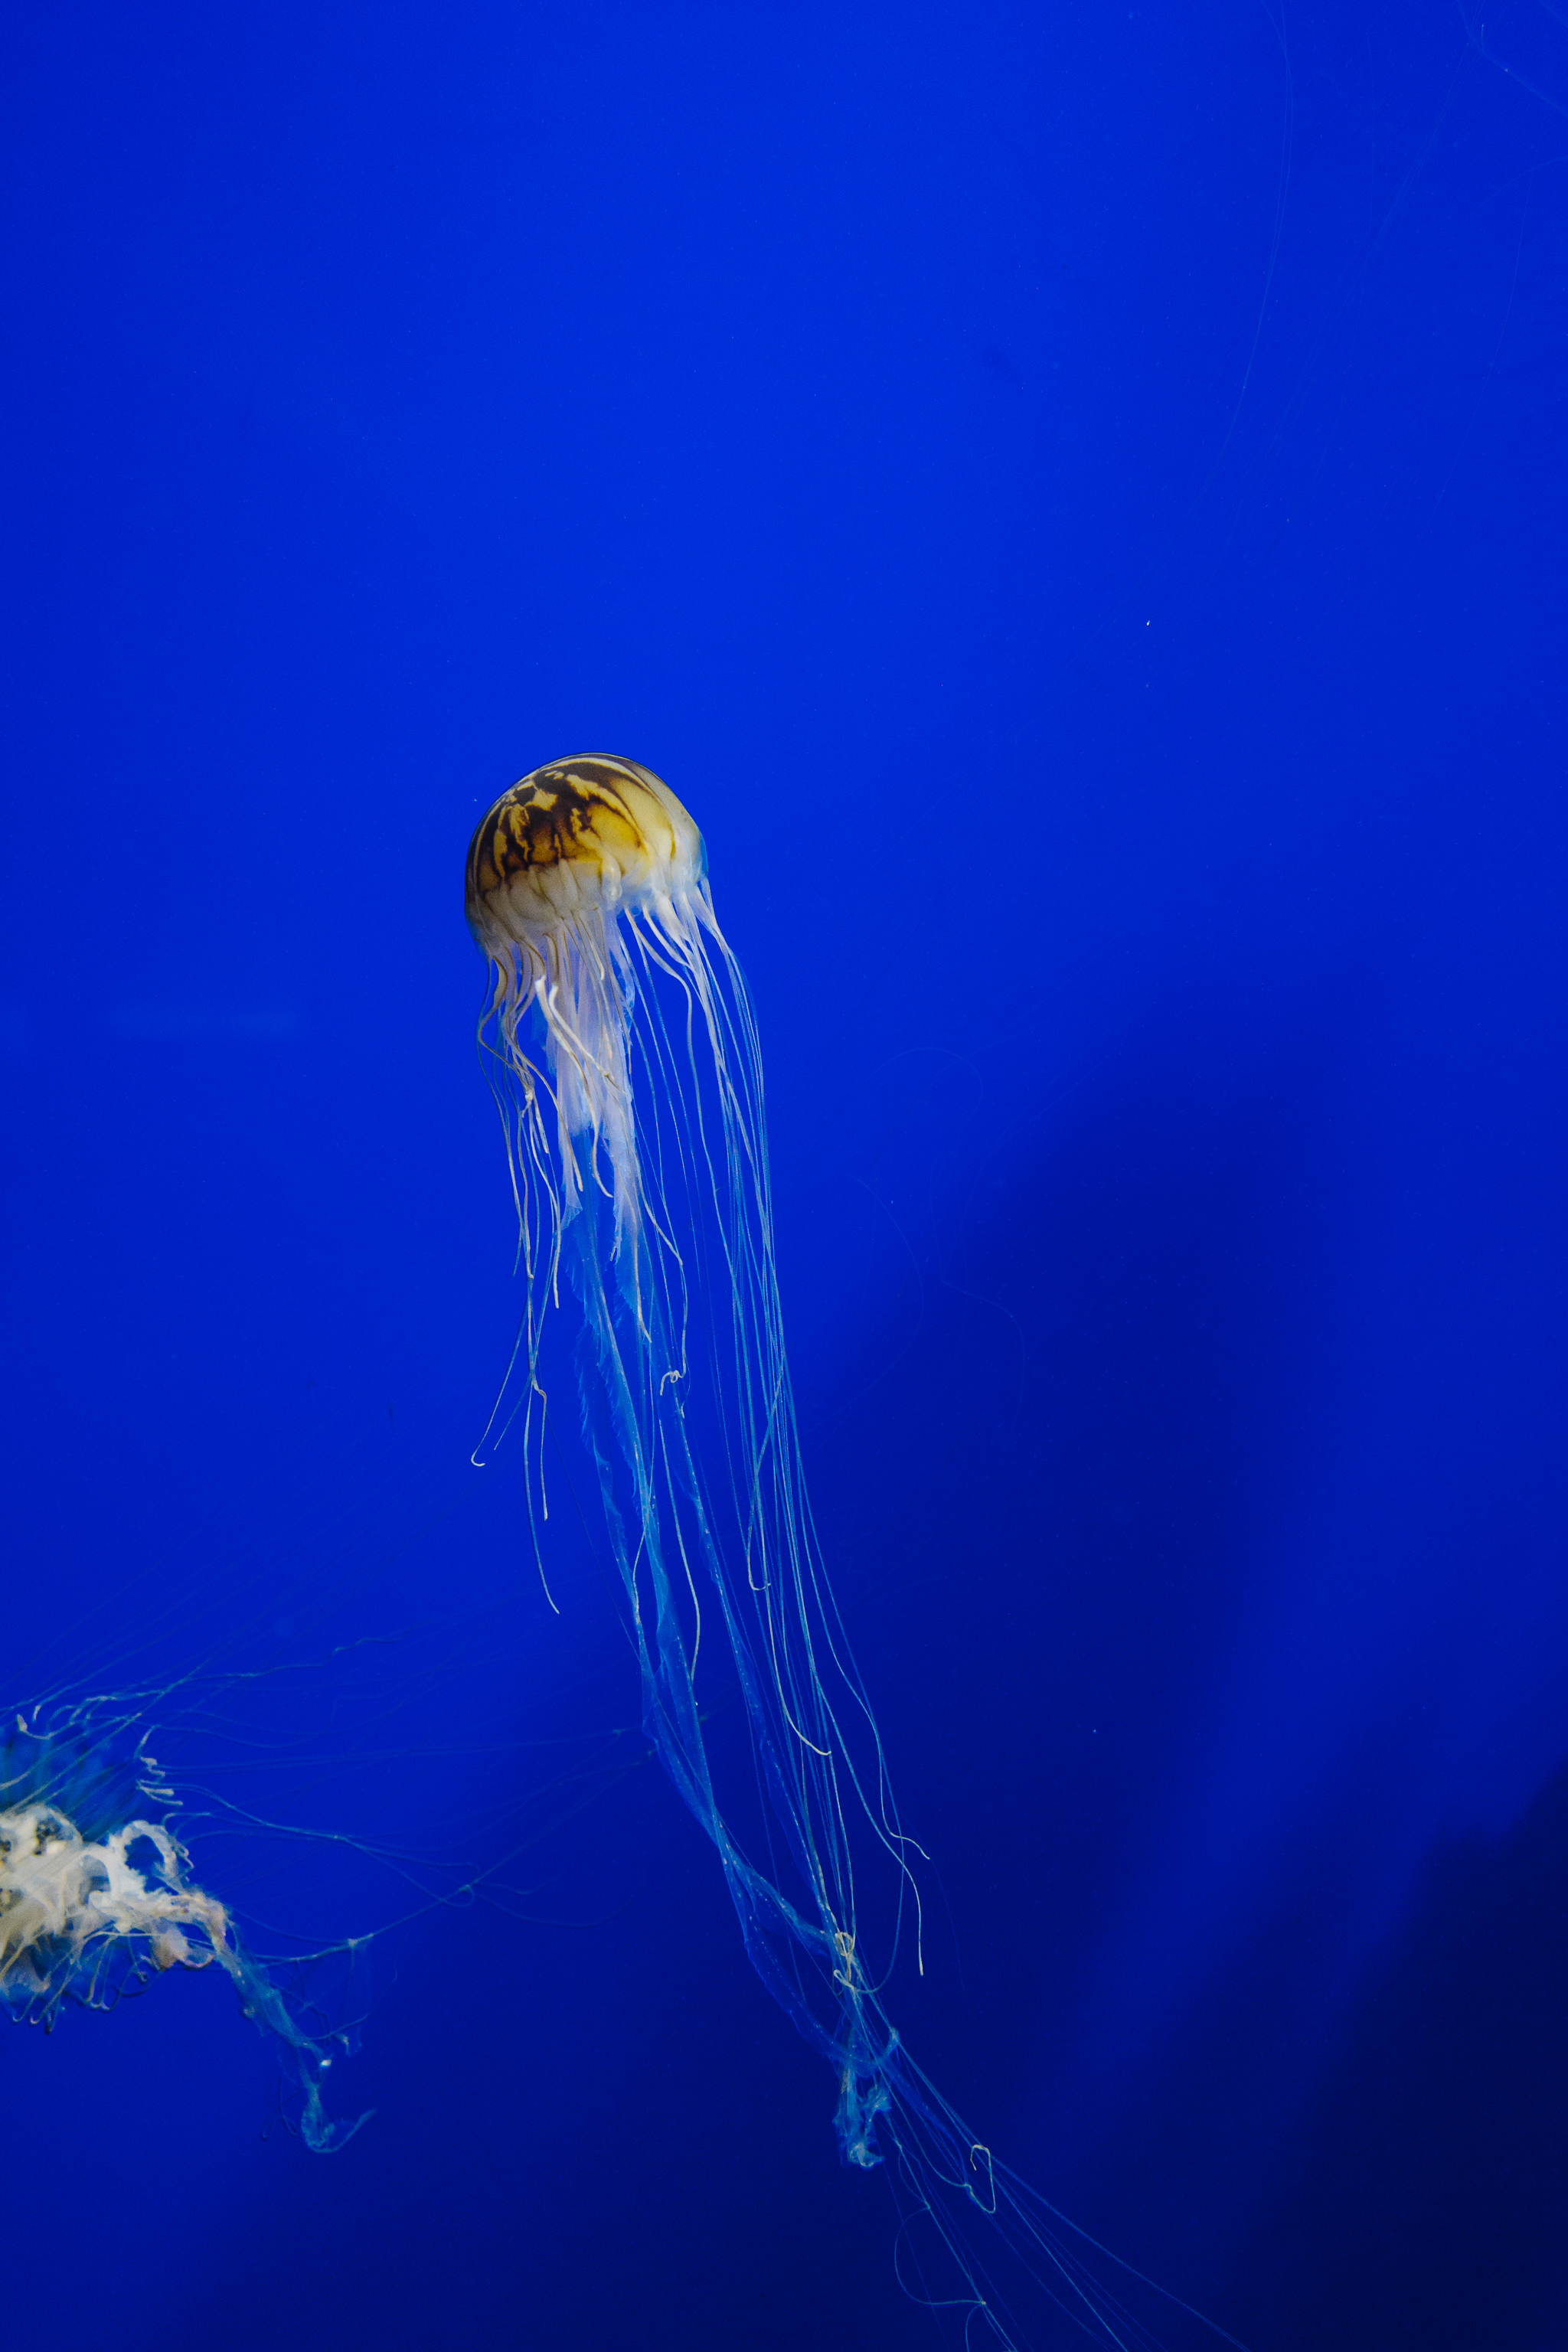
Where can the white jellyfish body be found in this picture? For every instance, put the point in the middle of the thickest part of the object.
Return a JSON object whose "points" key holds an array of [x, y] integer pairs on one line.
{"points": [[66, 1900], [95, 1895]]}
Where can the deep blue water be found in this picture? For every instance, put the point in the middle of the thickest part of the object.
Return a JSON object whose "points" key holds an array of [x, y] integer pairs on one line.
{"points": [[1074, 503]]}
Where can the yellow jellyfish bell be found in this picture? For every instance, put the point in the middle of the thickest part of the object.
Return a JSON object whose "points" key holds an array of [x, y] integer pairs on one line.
{"points": [[574, 839]]}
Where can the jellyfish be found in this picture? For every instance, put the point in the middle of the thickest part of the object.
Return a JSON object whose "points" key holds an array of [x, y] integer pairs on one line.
{"points": [[96, 1897], [621, 1045], [621, 1038]]}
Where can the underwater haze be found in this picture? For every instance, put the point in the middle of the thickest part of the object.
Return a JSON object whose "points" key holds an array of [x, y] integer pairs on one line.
{"points": [[1073, 501]]}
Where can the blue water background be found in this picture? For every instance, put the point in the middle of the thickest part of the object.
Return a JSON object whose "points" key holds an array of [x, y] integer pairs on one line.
{"points": [[1075, 501]]}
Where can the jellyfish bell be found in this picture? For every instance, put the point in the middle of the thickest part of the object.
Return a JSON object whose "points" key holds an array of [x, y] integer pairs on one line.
{"points": [[572, 839]]}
